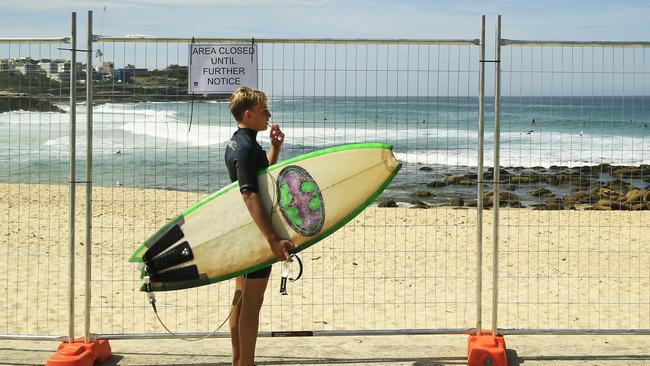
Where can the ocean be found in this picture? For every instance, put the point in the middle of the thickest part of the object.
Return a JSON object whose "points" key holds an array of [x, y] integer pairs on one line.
{"points": [[152, 145]]}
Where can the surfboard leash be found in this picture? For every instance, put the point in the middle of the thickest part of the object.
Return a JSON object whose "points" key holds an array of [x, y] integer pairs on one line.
{"points": [[286, 269], [151, 297]]}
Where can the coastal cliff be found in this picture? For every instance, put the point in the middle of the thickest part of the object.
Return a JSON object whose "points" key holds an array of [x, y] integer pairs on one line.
{"points": [[21, 101]]}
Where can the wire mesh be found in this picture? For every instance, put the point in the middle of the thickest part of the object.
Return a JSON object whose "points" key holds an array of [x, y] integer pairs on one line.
{"points": [[34, 89], [575, 144], [389, 268]]}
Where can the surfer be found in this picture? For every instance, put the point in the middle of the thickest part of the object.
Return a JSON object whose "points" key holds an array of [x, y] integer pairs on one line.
{"points": [[244, 157]]}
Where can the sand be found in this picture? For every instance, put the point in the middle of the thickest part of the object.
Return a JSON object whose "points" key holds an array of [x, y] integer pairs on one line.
{"points": [[394, 268]]}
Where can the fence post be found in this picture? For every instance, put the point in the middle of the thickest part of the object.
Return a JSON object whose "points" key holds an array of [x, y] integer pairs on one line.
{"points": [[495, 196], [89, 171], [488, 348], [479, 173], [84, 351], [72, 184]]}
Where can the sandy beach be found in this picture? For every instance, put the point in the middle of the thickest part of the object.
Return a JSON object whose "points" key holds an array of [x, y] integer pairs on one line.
{"points": [[389, 268]]}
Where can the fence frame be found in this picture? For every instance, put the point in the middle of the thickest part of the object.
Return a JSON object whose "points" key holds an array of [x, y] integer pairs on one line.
{"points": [[365, 41], [35, 40], [72, 41], [499, 43]]}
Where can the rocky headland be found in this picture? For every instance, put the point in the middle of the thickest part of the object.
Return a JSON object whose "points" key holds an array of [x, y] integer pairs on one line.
{"points": [[21, 101]]}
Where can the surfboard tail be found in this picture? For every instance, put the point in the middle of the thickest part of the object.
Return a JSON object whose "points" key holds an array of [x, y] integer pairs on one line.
{"points": [[162, 239]]}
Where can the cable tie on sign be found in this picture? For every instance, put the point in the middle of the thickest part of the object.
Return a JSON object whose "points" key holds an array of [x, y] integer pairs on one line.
{"points": [[253, 47], [189, 126], [191, 44]]}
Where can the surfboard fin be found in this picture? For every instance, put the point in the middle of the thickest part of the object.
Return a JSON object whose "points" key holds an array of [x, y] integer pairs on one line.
{"points": [[171, 236], [176, 255]]}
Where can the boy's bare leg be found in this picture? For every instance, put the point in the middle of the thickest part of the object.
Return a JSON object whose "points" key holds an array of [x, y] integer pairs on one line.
{"points": [[249, 318], [234, 320]]}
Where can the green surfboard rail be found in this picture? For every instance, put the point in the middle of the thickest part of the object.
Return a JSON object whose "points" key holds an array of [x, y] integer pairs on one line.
{"points": [[168, 287]]}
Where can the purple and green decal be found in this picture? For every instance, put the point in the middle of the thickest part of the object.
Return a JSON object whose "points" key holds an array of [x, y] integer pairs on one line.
{"points": [[301, 201]]}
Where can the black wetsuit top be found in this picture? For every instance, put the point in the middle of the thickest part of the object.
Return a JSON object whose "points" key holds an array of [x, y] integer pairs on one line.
{"points": [[244, 158]]}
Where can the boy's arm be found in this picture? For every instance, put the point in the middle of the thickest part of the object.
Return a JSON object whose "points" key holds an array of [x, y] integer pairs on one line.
{"points": [[280, 247], [277, 139], [273, 154]]}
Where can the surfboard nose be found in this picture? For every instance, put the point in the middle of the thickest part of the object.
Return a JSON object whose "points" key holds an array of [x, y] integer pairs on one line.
{"points": [[390, 160]]}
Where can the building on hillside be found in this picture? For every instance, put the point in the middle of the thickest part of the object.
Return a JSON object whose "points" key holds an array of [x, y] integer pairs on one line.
{"points": [[25, 65], [108, 67], [28, 69], [49, 67], [6, 66], [123, 75]]}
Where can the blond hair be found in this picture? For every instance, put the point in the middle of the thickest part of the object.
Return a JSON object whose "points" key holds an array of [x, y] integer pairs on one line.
{"points": [[244, 99]]}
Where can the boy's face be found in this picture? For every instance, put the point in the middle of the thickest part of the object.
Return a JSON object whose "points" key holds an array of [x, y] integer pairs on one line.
{"points": [[257, 117]]}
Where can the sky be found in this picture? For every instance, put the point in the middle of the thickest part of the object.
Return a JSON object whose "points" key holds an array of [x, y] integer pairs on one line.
{"points": [[549, 19], [594, 20]]}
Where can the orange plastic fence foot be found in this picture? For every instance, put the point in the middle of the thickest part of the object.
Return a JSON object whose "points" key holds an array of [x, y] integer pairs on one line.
{"points": [[80, 353], [486, 350]]}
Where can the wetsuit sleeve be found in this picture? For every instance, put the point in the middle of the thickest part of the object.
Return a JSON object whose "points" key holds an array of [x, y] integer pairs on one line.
{"points": [[247, 173]]}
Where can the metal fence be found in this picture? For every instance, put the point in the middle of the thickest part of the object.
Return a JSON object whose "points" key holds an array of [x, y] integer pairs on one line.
{"points": [[34, 165], [570, 141], [576, 262], [384, 272]]}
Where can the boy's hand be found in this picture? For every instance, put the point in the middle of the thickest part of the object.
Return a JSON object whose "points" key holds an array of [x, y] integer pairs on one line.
{"points": [[281, 248], [276, 136]]}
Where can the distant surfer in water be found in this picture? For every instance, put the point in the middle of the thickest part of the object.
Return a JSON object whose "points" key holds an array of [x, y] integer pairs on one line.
{"points": [[244, 157]]}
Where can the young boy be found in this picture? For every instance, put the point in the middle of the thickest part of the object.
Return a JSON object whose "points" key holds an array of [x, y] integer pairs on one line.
{"points": [[244, 157]]}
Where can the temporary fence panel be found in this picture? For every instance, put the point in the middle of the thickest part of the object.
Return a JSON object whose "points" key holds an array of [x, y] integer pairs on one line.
{"points": [[34, 168], [575, 149], [158, 150]]}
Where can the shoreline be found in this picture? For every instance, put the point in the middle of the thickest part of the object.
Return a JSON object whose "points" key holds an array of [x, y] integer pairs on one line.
{"points": [[591, 187]]}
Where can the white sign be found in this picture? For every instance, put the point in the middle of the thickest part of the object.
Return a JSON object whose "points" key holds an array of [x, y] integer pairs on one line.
{"points": [[222, 68]]}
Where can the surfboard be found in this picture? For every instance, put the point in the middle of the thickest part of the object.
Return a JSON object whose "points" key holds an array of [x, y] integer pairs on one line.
{"points": [[308, 198]]}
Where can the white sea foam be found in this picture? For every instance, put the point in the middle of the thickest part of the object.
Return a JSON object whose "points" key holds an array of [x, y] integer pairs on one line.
{"points": [[542, 149], [178, 134], [121, 127], [159, 127], [318, 136]]}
